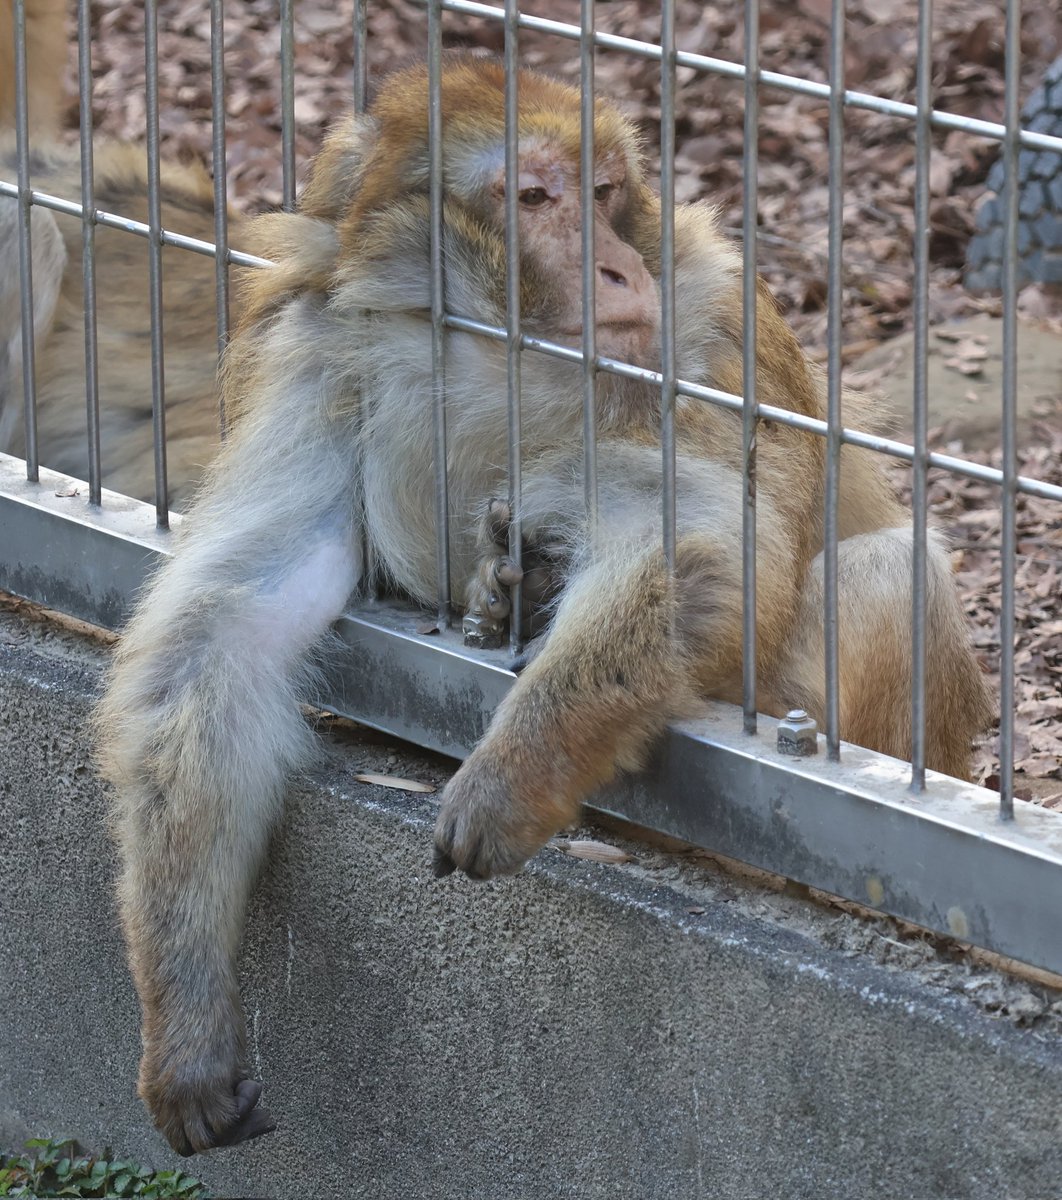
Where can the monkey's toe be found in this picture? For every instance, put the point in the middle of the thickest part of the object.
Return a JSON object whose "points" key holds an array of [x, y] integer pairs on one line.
{"points": [[487, 604]]}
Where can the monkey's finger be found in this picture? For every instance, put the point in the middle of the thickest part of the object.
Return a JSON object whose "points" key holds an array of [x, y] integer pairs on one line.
{"points": [[499, 518], [506, 572], [497, 605]]}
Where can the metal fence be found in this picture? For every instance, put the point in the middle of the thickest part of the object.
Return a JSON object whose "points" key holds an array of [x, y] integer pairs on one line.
{"points": [[948, 856]]}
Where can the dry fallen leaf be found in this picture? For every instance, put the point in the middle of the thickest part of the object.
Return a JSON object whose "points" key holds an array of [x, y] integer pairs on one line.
{"points": [[695, 909], [69, 491], [592, 851], [393, 781]]}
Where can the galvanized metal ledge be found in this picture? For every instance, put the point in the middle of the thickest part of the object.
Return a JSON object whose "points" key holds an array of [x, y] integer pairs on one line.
{"points": [[943, 860]]}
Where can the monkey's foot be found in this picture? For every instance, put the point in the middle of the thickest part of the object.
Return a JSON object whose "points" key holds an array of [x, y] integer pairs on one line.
{"points": [[483, 829], [197, 1118]]}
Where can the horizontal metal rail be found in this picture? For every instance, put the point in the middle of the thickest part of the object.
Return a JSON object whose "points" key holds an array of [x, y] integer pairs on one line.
{"points": [[942, 860], [113, 221], [693, 391], [767, 412]]}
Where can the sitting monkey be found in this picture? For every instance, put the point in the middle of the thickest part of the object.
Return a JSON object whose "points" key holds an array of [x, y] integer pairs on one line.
{"points": [[329, 380]]}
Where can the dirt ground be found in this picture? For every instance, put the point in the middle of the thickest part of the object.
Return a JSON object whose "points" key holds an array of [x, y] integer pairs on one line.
{"points": [[965, 373], [793, 205]]}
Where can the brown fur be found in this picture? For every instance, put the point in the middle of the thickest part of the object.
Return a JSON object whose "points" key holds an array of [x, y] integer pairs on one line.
{"points": [[45, 56], [329, 375]]}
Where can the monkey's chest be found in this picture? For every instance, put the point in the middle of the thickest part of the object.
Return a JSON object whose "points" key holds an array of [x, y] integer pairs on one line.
{"points": [[402, 500]]}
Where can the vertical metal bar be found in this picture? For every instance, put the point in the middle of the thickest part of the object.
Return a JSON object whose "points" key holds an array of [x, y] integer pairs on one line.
{"points": [[25, 244], [221, 202], [361, 61], [361, 89], [748, 362], [512, 299], [287, 100], [920, 464], [1008, 548], [835, 332], [158, 380], [667, 274], [438, 308], [88, 249], [588, 183]]}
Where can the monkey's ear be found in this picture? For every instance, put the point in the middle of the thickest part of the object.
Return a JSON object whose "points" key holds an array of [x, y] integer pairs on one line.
{"points": [[339, 168]]}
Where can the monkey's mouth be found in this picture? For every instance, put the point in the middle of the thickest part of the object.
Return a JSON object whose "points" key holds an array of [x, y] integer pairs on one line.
{"points": [[611, 328], [633, 341]]}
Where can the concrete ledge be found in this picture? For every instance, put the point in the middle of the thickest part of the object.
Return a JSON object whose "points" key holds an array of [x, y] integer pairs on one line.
{"points": [[575, 1031]]}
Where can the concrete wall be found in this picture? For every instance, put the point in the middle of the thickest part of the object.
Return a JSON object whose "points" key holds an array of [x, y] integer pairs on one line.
{"points": [[575, 1031]]}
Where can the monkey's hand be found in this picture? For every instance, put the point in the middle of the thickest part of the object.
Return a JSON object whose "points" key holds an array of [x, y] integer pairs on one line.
{"points": [[482, 829], [503, 805], [487, 602]]}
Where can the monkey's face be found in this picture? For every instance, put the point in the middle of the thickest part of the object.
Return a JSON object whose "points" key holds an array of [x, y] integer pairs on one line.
{"points": [[384, 235], [627, 299]]}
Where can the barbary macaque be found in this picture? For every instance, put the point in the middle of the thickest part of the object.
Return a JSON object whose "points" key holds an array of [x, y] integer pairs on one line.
{"points": [[123, 304], [332, 448]]}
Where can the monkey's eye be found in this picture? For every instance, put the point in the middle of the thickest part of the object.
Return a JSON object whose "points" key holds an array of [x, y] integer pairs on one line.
{"points": [[533, 197], [603, 191]]}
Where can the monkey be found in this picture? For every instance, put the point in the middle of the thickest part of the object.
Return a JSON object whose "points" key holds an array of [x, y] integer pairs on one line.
{"points": [[329, 381], [122, 298]]}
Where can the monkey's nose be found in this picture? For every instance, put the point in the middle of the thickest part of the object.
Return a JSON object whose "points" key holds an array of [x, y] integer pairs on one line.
{"points": [[608, 275]]}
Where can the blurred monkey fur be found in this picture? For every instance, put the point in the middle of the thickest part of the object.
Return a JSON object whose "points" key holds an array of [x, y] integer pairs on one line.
{"points": [[124, 359], [329, 381]]}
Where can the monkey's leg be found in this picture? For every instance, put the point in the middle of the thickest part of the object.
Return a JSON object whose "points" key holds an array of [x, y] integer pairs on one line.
{"points": [[200, 727], [874, 632], [623, 657]]}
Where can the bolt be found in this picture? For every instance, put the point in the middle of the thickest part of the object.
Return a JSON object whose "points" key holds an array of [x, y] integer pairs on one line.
{"points": [[798, 734]]}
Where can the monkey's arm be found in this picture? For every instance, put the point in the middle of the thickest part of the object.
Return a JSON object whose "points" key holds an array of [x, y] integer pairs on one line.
{"points": [[631, 648], [200, 726]]}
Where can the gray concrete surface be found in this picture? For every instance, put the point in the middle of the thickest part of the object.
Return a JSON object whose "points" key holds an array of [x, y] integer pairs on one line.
{"points": [[576, 1031]]}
